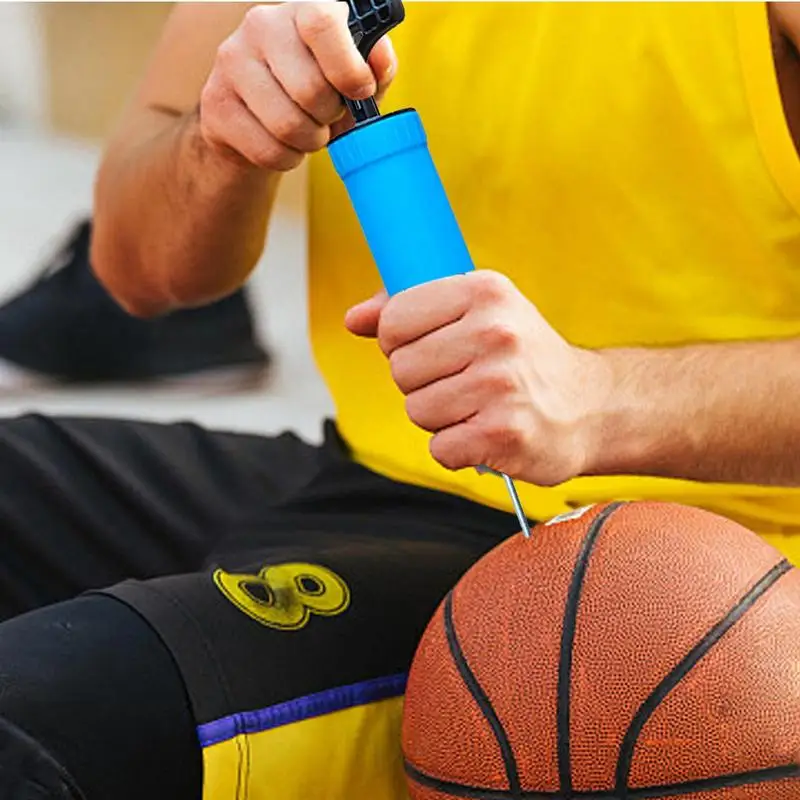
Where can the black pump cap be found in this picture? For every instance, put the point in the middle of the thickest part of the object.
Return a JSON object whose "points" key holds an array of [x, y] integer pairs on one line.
{"points": [[368, 21]]}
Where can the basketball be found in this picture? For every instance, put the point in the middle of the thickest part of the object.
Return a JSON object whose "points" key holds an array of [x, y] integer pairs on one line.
{"points": [[626, 650]]}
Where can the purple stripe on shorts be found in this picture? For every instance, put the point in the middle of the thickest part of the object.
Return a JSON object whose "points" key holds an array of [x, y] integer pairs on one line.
{"points": [[312, 705]]}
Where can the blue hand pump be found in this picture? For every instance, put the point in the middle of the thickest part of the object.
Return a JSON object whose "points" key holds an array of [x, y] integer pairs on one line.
{"points": [[395, 189]]}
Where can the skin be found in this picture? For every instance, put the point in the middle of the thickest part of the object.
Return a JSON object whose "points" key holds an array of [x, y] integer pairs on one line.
{"points": [[235, 97]]}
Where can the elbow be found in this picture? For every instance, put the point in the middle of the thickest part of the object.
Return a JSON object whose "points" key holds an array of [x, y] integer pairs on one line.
{"points": [[116, 261], [114, 273]]}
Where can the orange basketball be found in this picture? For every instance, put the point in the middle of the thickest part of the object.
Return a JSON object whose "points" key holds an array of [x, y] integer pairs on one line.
{"points": [[624, 651]]}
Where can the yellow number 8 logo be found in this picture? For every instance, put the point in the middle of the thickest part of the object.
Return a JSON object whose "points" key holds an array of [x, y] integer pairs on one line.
{"points": [[285, 595]]}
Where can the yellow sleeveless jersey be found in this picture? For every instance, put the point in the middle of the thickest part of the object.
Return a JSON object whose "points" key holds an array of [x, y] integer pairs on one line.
{"points": [[628, 166]]}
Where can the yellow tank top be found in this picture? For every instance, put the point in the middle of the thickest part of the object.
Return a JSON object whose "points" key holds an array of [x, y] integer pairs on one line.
{"points": [[628, 166]]}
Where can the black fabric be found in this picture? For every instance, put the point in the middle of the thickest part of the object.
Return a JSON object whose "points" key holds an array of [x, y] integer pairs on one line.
{"points": [[66, 326], [395, 575], [102, 706], [148, 513], [398, 548], [86, 503], [29, 772]]}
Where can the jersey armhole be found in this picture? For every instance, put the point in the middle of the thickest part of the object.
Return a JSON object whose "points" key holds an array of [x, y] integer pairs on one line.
{"points": [[764, 99]]}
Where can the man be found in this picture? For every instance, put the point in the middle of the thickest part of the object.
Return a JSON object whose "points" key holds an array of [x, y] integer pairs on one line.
{"points": [[626, 178]]}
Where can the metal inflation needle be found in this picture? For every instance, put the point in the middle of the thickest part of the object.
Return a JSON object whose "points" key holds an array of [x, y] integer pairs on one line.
{"points": [[514, 495]]}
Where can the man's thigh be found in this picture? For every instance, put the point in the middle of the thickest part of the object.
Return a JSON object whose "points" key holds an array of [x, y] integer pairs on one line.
{"points": [[85, 503], [295, 657]]}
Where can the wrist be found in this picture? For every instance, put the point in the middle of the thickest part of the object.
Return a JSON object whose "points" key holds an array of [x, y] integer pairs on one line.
{"points": [[627, 425], [216, 162]]}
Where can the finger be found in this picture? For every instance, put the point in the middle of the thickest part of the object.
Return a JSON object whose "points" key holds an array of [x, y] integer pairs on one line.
{"points": [[422, 309], [459, 397], [384, 68], [383, 63], [501, 440], [362, 319], [346, 122], [323, 28], [444, 352], [442, 404], [244, 135], [296, 70], [276, 111], [457, 447]]}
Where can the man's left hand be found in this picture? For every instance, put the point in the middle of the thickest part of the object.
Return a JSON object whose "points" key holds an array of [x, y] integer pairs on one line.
{"points": [[485, 373]]}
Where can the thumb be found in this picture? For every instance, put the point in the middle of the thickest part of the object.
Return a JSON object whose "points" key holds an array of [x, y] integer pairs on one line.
{"points": [[362, 319]]}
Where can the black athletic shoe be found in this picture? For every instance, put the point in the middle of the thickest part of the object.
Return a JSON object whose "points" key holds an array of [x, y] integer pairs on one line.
{"points": [[65, 327]]}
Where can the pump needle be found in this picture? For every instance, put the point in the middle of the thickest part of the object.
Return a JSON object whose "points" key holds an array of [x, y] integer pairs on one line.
{"points": [[515, 501]]}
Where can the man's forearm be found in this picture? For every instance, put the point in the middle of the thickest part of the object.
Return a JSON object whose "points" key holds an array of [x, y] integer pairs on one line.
{"points": [[727, 412], [176, 223]]}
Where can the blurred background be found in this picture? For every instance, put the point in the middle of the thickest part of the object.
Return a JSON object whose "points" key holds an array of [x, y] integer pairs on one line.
{"points": [[66, 70]]}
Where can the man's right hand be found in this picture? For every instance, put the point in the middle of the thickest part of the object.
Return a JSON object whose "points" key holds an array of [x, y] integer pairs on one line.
{"points": [[274, 92]]}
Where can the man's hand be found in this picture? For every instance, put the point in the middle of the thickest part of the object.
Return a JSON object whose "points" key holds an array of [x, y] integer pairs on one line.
{"points": [[483, 371], [273, 94]]}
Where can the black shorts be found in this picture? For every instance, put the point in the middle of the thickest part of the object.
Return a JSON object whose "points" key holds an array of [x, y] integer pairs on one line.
{"points": [[290, 585]]}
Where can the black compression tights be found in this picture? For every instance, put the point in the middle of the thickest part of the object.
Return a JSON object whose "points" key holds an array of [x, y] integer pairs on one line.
{"points": [[92, 684]]}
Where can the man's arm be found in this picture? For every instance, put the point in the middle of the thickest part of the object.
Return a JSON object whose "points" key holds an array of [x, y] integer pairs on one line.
{"points": [[234, 95], [717, 412], [164, 198], [485, 373], [722, 412]]}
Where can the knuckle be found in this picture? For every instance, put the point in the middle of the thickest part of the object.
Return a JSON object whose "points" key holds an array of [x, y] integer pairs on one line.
{"points": [[214, 108], [227, 54], [386, 342], [503, 440], [489, 286], [269, 155], [299, 133], [315, 20], [319, 100], [308, 94], [262, 155], [320, 137], [286, 160], [398, 365], [354, 81], [446, 452], [286, 127], [415, 409], [498, 334], [258, 19], [208, 130], [498, 382], [388, 331], [210, 101]]}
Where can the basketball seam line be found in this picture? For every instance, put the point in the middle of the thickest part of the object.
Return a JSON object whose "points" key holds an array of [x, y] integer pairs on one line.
{"points": [[701, 649], [479, 695], [565, 663], [755, 777]]}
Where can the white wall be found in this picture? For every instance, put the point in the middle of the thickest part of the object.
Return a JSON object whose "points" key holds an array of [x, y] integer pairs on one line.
{"points": [[22, 66]]}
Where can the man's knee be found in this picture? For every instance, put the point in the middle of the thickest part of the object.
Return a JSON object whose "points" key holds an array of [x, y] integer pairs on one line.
{"points": [[90, 697]]}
